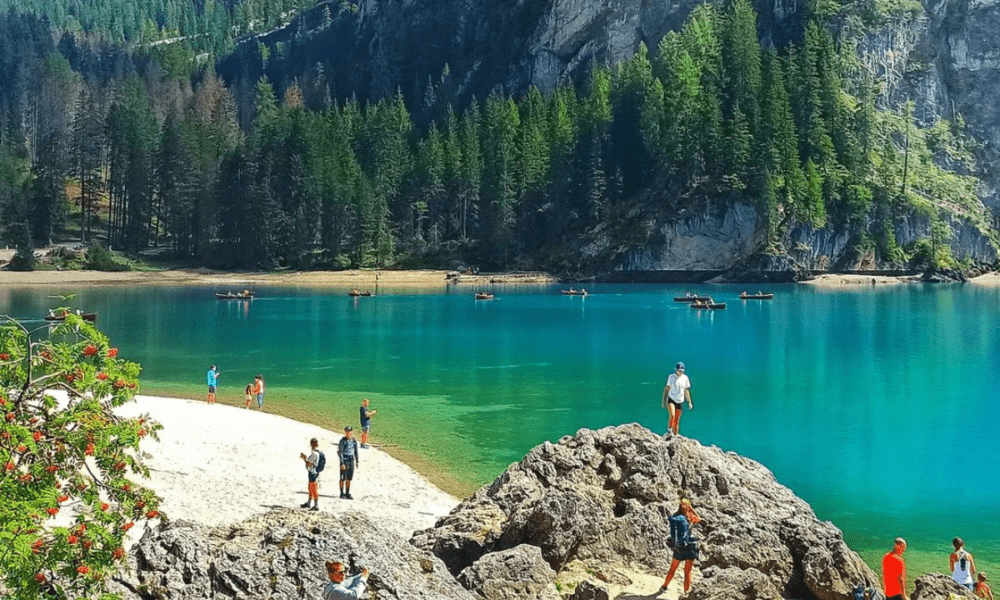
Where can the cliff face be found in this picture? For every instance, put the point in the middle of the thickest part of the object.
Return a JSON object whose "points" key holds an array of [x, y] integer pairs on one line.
{"points": [[945, 57]]}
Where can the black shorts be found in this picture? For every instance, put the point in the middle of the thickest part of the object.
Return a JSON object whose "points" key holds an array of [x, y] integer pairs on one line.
{"points": [[679, 407], [347, 474], [211, 389], [686, 551], [896, 597]]}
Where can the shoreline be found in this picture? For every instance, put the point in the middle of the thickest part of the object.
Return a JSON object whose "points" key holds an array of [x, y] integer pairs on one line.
{"points": [[370, 279]]}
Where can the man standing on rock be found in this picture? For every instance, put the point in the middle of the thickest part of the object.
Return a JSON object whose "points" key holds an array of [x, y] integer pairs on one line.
{"points": [[348, 453], [894, 572], [677, 390]]}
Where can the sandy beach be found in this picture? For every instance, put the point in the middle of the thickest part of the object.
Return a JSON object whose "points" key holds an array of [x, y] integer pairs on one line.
{"points": [[217, 464]]}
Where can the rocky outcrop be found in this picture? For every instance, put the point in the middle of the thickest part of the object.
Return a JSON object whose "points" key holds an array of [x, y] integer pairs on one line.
{"points": [[936, 586], [603, 497], [280, 555], [515, 574]]}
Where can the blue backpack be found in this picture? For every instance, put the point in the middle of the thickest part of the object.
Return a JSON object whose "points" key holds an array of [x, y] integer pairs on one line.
{"points": [[680, 531], [322, 463]]}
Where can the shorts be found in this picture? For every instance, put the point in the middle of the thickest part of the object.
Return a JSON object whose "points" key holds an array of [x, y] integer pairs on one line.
{"points": [[348, 473], [313, 477], [260, 399], [366, 428], [211, 389], [678, 405], [686, 551], [896, 597]]}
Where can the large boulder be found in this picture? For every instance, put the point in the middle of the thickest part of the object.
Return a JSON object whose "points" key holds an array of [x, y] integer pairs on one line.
{"points": [[516, 574], [603, 497], [935, 586], [280, 555]]}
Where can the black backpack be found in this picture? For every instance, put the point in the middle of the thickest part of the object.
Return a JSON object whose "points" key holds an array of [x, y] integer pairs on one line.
{"points": [[322, 463]]}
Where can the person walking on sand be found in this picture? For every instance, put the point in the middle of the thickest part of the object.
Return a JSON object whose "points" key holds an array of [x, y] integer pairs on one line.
{"points": [[213, 382], [342, 587], [366, 422], [685, 545], [315, 463], [962, 565], [677, 390], [347, 451], [258, 390], [982, 588], [894, 572]]}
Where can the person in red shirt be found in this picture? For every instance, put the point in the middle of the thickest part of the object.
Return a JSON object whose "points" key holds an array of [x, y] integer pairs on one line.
{"points": [[982, 588], [894, 572]]}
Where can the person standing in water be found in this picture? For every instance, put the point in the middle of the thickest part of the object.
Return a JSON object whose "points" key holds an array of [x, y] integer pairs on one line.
{"points": [[213, 382], [677, 390], [366, 422]]}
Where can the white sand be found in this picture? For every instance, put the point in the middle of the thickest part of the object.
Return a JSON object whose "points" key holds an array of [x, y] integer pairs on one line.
{"points": [[217, 465]]}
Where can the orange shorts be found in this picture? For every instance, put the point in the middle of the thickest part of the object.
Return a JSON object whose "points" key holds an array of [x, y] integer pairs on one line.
{"points": [[313, 493]]}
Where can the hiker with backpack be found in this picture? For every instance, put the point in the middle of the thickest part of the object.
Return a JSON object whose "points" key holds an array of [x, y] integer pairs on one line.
{"points": [[684, 544], [962, 565], [315, 463]]}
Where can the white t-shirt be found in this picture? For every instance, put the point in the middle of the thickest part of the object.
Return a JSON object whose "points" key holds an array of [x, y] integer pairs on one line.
{"points": [[677, 387], [312, 461]]}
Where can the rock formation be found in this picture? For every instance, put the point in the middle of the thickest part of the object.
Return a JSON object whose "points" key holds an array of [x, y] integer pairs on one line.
{"points": [[936, 586], [603, 497], [280, 555]]}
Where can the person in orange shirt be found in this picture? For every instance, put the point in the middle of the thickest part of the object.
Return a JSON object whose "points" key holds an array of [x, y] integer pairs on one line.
{"points": [[982, 588], [894, 572], [258, 390]]}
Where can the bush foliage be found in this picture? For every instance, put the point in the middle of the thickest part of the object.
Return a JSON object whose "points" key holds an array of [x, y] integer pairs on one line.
{"points": [[68, 464]]}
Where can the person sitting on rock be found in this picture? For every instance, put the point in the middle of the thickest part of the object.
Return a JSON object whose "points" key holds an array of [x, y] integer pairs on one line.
{"points": [[685, 546], [341, 588]]}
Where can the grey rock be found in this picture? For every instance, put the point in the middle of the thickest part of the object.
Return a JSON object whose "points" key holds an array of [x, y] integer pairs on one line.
{"points": [[727, 584], [280, 555], [935, 586], [604, 496], [588, 590], [516, 574]]}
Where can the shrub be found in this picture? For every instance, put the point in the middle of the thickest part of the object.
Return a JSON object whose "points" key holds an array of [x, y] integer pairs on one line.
{"points": [[62, 448], [100, 258]]}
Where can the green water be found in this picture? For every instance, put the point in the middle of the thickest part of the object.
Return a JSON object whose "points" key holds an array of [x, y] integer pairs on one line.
{"points": [[876, 405]]}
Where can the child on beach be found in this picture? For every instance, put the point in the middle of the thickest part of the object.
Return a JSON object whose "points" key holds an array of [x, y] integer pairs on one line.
{"points": [[314, 465], [982, 588], [248, 392]]}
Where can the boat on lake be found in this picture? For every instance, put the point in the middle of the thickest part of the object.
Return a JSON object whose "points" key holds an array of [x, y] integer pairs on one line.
{"points": [[85, 316], [708, 304], [244, 295], [757, 296], [572, 292], [484, 296], [691, 298], [360, 294]]}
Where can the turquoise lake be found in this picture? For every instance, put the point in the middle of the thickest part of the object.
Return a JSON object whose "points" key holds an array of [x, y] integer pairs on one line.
{"points": [[877, 405]]}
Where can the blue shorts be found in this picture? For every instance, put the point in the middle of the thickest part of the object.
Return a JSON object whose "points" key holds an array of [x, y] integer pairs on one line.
{"points": [[348, 473], [211, 389], [687, 551], [366, 428]]}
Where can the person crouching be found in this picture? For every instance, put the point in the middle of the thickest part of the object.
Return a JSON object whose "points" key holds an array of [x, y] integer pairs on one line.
{"points": [[342, 587]]}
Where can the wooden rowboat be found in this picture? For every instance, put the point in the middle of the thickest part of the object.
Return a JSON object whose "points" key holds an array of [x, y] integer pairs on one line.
{"points": [[483, 296], [358, 294], [691, 298], [85, 316], [708, 305], [232, 296], [756, 296], [572, 292]]}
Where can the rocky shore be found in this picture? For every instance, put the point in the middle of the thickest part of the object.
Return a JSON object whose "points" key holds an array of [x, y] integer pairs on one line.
{"points": [[582, 519]]}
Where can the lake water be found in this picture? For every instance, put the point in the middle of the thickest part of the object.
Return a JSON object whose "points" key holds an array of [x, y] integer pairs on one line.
{"points": [[877, 405]]}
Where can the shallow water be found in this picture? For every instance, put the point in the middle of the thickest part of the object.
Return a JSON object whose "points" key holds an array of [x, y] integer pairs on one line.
{"points": [[876, 405]]}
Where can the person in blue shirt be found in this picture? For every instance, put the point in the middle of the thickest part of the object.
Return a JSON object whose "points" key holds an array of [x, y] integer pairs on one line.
{"points": [[342, 587], [347, 451], [213, 382]]}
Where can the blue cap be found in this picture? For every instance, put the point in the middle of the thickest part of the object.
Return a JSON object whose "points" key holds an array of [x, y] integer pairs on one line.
{"points": [[679, 366]]}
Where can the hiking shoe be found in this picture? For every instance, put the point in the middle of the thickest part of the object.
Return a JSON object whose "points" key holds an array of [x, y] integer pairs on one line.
{"points": [[663, 588], [365, 446], [341, 494], [314, 508], [348, 497], [306, 505]]}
